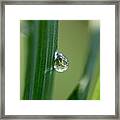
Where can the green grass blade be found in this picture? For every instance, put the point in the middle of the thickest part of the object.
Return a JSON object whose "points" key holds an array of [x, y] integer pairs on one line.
{"points": [[89, 80], [42, 38], [94, 92]]}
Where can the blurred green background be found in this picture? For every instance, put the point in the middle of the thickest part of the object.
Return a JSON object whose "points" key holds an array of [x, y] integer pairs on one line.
{"points": [[79, 41]]}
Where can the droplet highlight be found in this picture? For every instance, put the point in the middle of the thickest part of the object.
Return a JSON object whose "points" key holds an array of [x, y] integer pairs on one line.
{"points": [[60, 62]]}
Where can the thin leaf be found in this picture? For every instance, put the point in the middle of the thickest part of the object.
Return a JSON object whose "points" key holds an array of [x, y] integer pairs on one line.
{"points": [[85, 88], [42, 44]]}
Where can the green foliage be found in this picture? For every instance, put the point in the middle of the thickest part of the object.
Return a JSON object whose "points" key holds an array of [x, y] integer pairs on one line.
{"points": [[88, 87], [41, 37]]}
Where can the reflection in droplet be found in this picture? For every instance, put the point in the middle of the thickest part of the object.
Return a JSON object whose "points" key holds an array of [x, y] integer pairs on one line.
{"points": [[60, 62]]}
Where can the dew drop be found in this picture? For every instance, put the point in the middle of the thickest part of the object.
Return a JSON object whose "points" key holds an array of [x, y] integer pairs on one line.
{"points": [[60, 62]]}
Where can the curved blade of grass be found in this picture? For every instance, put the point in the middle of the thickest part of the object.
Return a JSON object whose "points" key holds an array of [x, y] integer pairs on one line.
{"points": [[42, 44], [86, 87]]}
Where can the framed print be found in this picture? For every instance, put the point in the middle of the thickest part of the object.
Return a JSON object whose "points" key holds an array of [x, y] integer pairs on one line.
{"points": [[60, 59]]}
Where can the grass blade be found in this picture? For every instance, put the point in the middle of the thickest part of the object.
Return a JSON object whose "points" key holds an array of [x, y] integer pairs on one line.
{"points": [[42, 44], [86, 87]]}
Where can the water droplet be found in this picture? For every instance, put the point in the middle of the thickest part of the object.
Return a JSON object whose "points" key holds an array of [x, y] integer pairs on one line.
{"points": [[60, 62]]}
